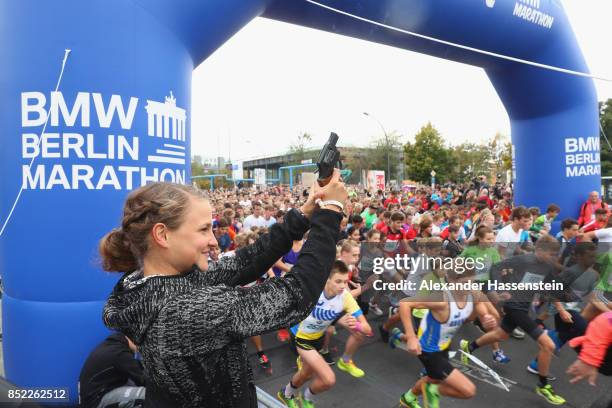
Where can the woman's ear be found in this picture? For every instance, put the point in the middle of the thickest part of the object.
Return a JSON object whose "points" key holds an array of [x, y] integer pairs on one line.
{"points": [[159, 235]]}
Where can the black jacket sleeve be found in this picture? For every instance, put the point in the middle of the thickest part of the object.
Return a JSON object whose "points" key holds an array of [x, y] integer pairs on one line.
{"points": [[283, 302], [254, 260]]}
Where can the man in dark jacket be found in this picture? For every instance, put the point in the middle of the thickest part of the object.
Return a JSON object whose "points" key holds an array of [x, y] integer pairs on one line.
{"points": [[111, 376]]}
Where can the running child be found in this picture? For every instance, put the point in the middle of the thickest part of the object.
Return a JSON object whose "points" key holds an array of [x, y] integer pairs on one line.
{"points": [[446, 312], [307, 336]]}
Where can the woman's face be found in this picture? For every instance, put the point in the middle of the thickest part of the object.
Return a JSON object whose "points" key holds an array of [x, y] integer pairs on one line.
{"points": [[487, 240], [355, 235], [489, 220], [375, 239], [191, 243]]}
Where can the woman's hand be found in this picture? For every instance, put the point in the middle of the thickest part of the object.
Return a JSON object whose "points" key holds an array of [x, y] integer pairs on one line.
{"points": [[334, 190]]}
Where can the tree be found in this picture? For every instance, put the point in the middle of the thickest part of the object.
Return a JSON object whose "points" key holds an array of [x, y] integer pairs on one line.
{"points": [[299, 146], [500, 149], [427, 153], [469, 160], [388, 146], [605, 119]]}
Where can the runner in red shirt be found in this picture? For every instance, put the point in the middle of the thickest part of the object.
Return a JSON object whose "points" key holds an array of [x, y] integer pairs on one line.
{"points": [[600, 221], [391, 200]]}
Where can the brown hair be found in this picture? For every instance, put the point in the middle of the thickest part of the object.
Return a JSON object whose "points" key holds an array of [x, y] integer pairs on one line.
{"points": [[480, 233], [373, 232], [123, 248], [398, 216], [338, 267], [547, 243], [520, 212]]}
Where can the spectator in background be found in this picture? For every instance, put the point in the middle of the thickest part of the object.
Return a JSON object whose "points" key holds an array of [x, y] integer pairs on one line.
{"points": [[504, 210], [384, 222], [587, 210], [567, 239], [600, 221], [391, 200], [256, 219], [111, 376], [369, 215], [451, 246], [357, 223], [280, 216], [542, 223], [223, 236], [270, 220]]}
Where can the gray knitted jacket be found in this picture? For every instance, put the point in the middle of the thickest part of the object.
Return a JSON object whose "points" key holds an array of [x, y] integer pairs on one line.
{"points": [[191, 327]]}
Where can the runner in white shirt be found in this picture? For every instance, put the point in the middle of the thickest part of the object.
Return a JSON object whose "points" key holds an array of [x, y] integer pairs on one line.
{"points": [[511, 233], [269, 219], [256, 219]]}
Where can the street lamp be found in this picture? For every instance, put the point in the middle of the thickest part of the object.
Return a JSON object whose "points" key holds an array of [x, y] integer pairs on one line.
{"points": [[386, 141]]}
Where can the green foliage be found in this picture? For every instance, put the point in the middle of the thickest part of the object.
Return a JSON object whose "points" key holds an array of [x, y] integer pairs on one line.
{"points": [[427, 153], [470, 160], [197, 169], [386, 148], [605, 119]]}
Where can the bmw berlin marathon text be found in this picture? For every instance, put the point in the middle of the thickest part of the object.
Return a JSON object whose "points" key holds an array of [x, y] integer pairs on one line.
{"points": [[93, 143]]}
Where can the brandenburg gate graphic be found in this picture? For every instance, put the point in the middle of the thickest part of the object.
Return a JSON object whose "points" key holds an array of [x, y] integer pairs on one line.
{"points": [[162, 115]]}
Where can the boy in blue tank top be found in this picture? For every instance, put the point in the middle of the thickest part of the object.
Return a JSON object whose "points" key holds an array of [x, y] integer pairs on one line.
{"points": [[447, 311]]}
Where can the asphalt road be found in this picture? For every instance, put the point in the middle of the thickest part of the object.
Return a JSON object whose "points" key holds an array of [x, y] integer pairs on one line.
{"points": [[389, 373]]}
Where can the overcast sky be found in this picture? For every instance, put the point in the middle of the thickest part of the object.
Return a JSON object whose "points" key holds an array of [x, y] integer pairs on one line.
{"points": [[273, 81]]}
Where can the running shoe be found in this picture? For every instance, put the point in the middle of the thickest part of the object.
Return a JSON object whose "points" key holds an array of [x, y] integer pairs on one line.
{"points": [[533, 369], [393, 310], [394, 339], [289, 402], [464, 345], [384, 333], [264, 362], [350, 368], [518, 333], [373, 307], [500, 357], [409, 401], [431, 396], [307, 403], [549, 395], [283, 335], [328, 357]]}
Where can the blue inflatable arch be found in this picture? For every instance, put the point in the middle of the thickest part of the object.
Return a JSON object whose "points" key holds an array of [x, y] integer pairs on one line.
{"points": [[121, 117]]}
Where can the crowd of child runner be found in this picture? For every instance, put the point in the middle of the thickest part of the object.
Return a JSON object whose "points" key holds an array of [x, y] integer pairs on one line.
{"points": [[512, 243]]}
